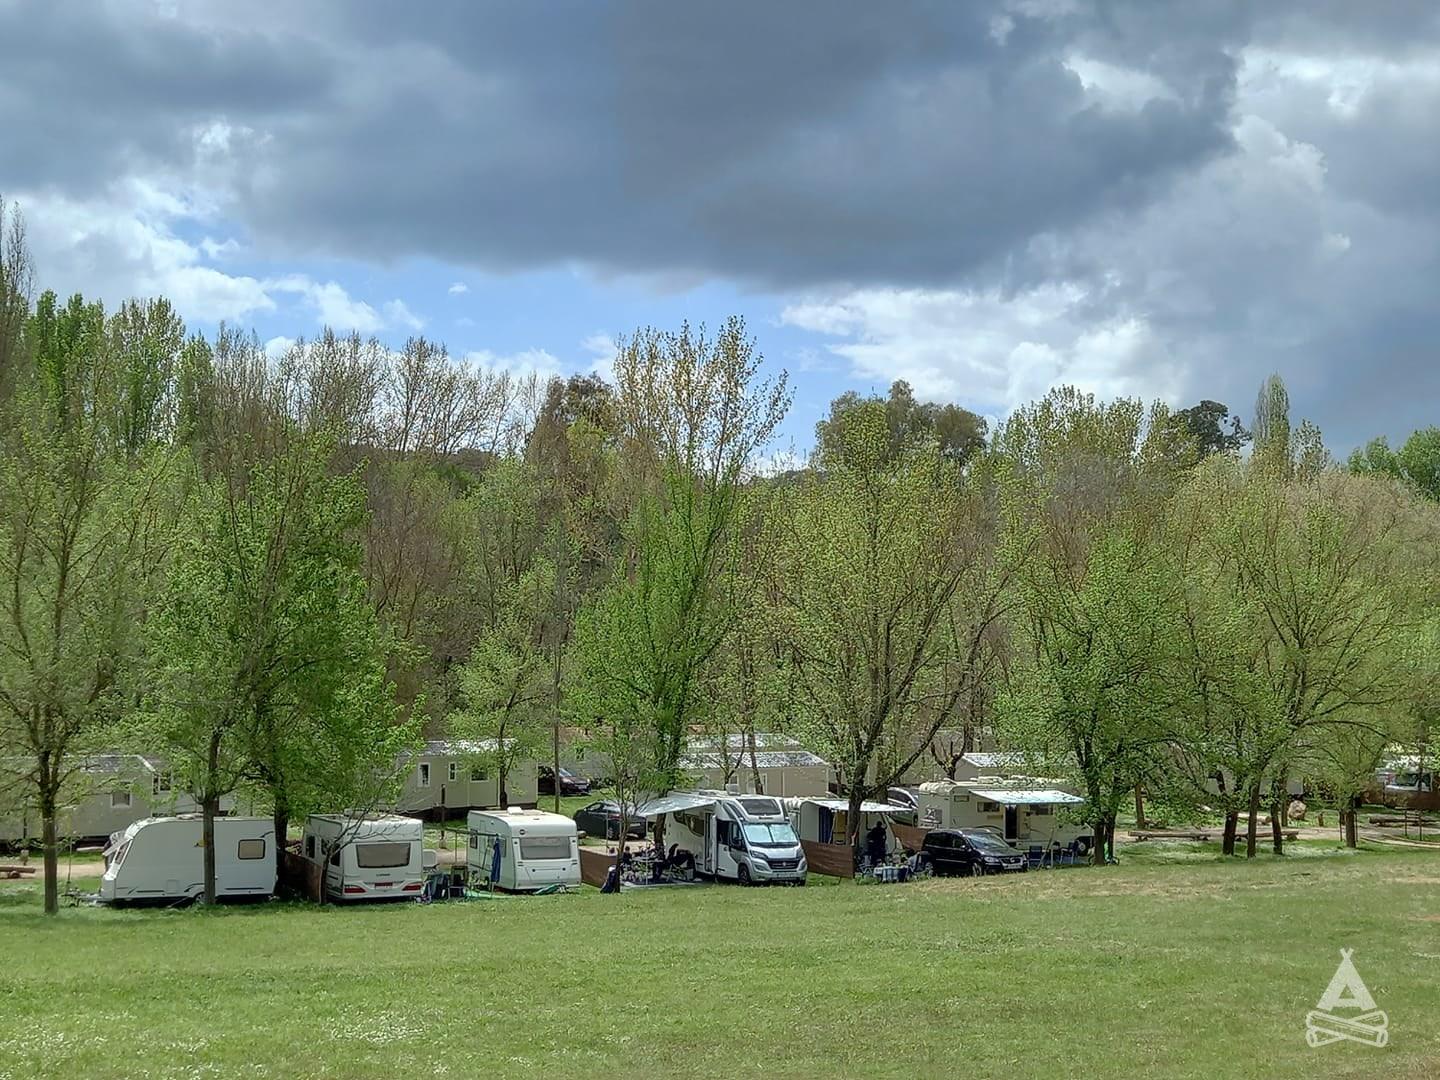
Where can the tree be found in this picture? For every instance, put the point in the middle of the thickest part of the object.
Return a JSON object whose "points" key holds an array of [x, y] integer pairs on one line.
{"points": [[883, 595], [505, 684], [1416, 463], [959, 433], [1212, 428], [16, 283], [80, 536], [1085, 487], [260, 624]]}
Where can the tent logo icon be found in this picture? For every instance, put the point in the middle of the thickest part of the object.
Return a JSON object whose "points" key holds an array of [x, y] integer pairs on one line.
{"points": [[1346, 992]]}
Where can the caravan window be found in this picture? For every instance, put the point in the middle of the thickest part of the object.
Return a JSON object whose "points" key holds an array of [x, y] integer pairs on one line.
{"points": [[310, 847], [544, 847], [250, 849], [119, 800], [424, 774], [381, 856], [474, 839]]}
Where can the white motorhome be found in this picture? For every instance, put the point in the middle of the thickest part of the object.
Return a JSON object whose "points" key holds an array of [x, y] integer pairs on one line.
{"points": [[371, 857], [522, 850], [1021, 813], [162, 860], [744, 838]]}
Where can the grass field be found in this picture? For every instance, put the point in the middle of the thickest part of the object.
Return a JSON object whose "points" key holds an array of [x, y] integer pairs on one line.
{"points": [[1172, 964]]}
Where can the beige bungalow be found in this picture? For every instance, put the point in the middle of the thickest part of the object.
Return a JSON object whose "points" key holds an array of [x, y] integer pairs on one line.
{"points": [[456, 775]]}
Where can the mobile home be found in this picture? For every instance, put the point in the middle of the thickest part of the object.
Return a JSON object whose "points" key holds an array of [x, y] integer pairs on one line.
{"points": [[449, 776], [522, 850], [375, 857], [783, 771], [1020, 813], [108, 793], [162, 860], [744, 838]]}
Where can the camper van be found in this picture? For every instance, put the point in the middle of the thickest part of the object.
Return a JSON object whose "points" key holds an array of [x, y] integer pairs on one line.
{"points": [[379, 857], [522, 850], [162, 860], [744, 838], [1019, 812]]}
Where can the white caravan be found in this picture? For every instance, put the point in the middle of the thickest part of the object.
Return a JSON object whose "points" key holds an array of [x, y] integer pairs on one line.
{"points": [[378, 857], [1021, 813], [162, 860], [744, 838], [522, 850]]}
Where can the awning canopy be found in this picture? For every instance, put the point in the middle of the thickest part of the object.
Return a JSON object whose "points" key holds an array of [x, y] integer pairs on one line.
{"points": [[1026, 797], [673, 803], [866, 807]]}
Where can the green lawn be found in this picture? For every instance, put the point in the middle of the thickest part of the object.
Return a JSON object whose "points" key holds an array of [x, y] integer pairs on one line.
{"points": [[1171, 964]]}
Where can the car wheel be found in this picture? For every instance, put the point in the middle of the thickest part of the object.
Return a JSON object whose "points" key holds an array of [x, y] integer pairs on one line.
{"points": [[977, 870], [744, 875]]}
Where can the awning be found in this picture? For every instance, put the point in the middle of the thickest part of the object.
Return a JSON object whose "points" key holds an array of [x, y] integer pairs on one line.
{"points": [[1026, 797], [674, 803], [865, 807]]}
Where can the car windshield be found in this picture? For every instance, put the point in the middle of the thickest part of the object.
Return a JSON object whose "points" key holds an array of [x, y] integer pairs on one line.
{"points": [[987, 842], [770, 835]]}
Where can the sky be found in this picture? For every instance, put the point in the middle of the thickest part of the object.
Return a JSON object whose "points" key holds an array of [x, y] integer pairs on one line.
{"points": [[1142, 197]]}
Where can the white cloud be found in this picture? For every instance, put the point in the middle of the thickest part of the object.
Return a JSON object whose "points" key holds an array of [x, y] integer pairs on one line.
{"points": [[458, 288], [277, 346], [543, 365], [397, 314], [602, 348], [333, 305]]}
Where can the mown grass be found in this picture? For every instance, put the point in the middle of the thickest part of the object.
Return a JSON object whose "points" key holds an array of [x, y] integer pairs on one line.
{"points": [[1172, 964]]}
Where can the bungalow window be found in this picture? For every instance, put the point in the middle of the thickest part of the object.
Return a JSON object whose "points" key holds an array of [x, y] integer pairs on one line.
{"points": [[477, 773], [120, 800], [251, 849], [160, 783], [454, 771], [424, 774]]}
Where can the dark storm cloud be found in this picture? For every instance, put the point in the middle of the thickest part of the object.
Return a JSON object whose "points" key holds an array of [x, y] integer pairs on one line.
{"points": [[785, 144]]}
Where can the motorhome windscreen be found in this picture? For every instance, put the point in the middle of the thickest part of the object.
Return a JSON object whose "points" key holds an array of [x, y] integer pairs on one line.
{"points": [[760, 807], [771, 835], [381, 856], [544, 847]]}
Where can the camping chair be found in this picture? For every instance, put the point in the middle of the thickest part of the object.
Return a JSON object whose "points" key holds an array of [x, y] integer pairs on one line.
{"points": [[1035, 856]]}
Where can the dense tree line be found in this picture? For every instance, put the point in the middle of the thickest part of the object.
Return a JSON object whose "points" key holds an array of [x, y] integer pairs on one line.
{"points": [[280, 573]]}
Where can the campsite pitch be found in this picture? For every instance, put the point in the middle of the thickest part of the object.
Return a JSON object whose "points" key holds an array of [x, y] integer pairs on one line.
{"points": [[1159, 967]]}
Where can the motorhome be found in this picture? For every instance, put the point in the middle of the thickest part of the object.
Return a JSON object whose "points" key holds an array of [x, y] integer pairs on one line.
{"points": [[162, 860], [744, 838], [367, 857], [522, 850], [1019, 812]]}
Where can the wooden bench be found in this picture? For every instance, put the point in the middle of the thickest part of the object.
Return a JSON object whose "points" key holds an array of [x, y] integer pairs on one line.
{"points": [[1169, 834], [15, 870]]}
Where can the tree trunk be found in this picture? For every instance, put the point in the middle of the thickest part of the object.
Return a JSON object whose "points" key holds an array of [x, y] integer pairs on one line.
{"points": [[1139, 807], [50, 841], [1277, 835], [555, 743], [282, 825], [1097, 853], [1232, 826], [209, 808], [852, 824], [1254, 819], [1352, 833]]}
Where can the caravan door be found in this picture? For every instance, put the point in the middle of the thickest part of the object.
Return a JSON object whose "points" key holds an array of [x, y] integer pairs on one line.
{"points": [[708, 859]]}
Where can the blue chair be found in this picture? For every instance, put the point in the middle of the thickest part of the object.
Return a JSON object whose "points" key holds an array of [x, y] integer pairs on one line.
{"points": [[1035, 856]]}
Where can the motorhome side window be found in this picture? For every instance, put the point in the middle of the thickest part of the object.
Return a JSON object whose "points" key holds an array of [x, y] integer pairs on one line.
{"points": [[119, 799], [989, 807], [1041, 809], [250, 849], [424, 774]]}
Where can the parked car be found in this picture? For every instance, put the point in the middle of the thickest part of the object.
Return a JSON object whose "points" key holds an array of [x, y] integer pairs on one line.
{"points": [[970, 851], [570, 784], [602, 818], [909, 806]]}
